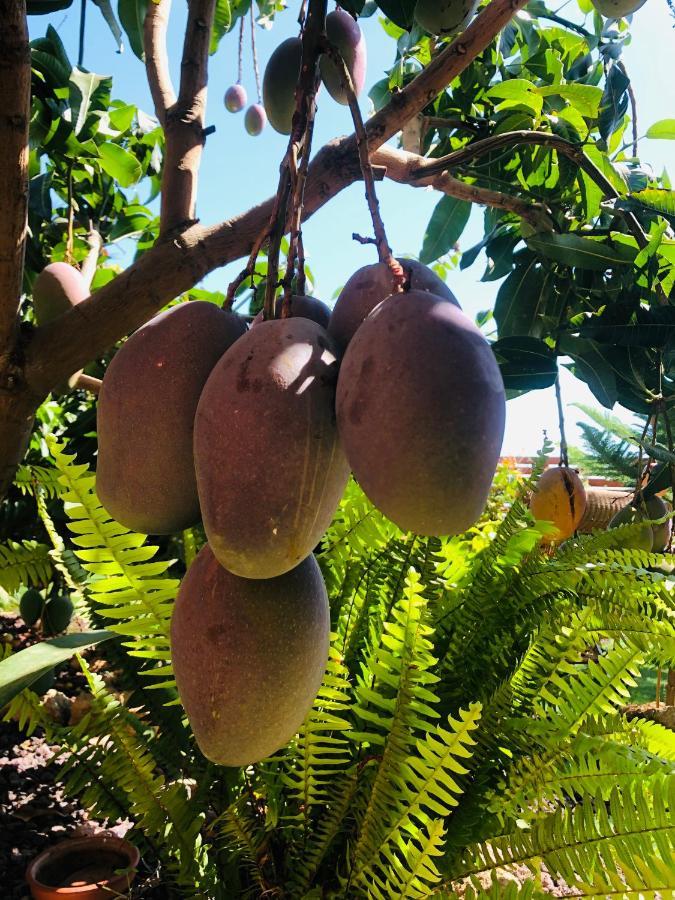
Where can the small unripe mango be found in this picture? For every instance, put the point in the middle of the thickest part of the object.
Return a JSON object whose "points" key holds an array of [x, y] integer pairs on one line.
{"points": [[617, 9], [656, 508], [57, 615], [559, 498], [255, 119], [235, 98], [444, 17], [30, 606], [642, 539]]}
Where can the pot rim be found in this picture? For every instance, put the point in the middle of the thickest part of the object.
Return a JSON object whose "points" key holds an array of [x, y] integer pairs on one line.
{"points": [[109, 841]]}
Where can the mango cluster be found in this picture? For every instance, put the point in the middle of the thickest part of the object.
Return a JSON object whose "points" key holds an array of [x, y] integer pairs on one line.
{"points": [[282, 72], [255, 431]]}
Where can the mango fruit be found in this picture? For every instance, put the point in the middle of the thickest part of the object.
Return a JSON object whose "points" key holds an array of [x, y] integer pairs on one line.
{"points": [[642, 539], [255, 119], [346, 36], [270, 468], [369, 286], [444, 17], [421, 408], [279, 83], [235, 98], [617, 9], [303, 306], [145, 474], [560, 498], [248, 655]]}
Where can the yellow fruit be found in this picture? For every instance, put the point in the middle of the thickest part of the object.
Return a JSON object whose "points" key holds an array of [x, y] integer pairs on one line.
{"points": [[559, 498]]}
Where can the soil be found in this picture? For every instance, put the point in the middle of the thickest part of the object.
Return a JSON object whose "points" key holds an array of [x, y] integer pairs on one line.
{"points": [[34, 811]]}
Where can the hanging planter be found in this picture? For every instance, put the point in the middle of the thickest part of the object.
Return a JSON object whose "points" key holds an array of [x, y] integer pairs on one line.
{"points": [[91, 868]]}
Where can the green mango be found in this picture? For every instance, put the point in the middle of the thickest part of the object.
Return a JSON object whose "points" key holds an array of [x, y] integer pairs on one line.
{"points": [[57, 615], [617, 9], [643, 539], [30, 606]]}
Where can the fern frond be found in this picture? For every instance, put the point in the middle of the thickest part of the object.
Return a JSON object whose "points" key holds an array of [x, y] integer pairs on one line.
{"points": [[29, 477], [395, 704], [633, 835], [320, 750], [24, 563], [126, 584], [411, 872]]}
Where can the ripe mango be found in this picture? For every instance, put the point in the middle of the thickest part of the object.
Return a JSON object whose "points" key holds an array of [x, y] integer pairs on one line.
{"points": [[279, 83], [444, 17], [303, 306], [145, 473], [344, 33], [270, 469], [642, 540], [421, 408], [560, 498], [369, 286], [57, 289], [249, 656]]}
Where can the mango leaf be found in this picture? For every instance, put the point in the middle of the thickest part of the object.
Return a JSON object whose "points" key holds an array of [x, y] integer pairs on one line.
{"points": [[578, 252], [614, 102], [526, 363], [44, 7], [355, 7], [647, 328], [401, 12], [447, 223], [83, 95], [120, 164], [585, 98], [663, 130], [131, 14], [21, 669], [521, 300], [222, 22], [592, 367], [111, 21]]}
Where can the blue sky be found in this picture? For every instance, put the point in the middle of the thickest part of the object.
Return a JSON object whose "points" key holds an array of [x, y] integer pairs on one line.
{"points": [[239, 171]]}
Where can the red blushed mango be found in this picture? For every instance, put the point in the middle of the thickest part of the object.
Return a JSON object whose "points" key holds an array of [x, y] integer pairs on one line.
{"points": [[303, 306], [369, 286], [421, 410], [559, 498], [145, 474], [57, 289], [270, 468], [249, 656]]}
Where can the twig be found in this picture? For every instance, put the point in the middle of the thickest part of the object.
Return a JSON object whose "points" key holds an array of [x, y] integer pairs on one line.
{"points": [[633, 110], [254, 53], [155, 28], [88, 268], [383, 249], [539, 138], [291, 184], [88, 383], [402, 167], [240, 58], [15, 106], [564, 459], [70, 233], [553, 17], [296, 222], [83, 25]]}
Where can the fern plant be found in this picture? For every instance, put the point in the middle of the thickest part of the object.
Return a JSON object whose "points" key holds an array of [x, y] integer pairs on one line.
{"points": [[461, 727]]}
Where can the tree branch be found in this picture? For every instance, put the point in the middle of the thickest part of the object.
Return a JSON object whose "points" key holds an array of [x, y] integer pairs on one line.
{"points": [[403, 167], [157, 59], [14, 116], [574, 152], [184, 121]]}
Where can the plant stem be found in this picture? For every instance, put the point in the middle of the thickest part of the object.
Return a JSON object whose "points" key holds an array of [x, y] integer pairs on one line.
{"points": [[564, 459]]}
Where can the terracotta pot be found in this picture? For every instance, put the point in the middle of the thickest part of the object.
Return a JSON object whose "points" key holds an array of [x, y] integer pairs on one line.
{"points": [[83, 869]]}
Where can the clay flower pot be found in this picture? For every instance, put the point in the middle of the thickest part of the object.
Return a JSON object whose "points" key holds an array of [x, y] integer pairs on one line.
{"points": [[83, 869]]}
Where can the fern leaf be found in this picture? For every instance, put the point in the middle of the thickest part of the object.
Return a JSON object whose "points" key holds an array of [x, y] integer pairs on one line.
{"points": [[24, 563]]}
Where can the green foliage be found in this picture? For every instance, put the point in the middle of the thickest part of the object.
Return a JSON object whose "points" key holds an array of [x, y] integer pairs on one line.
{"points": [[470, 718]]}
